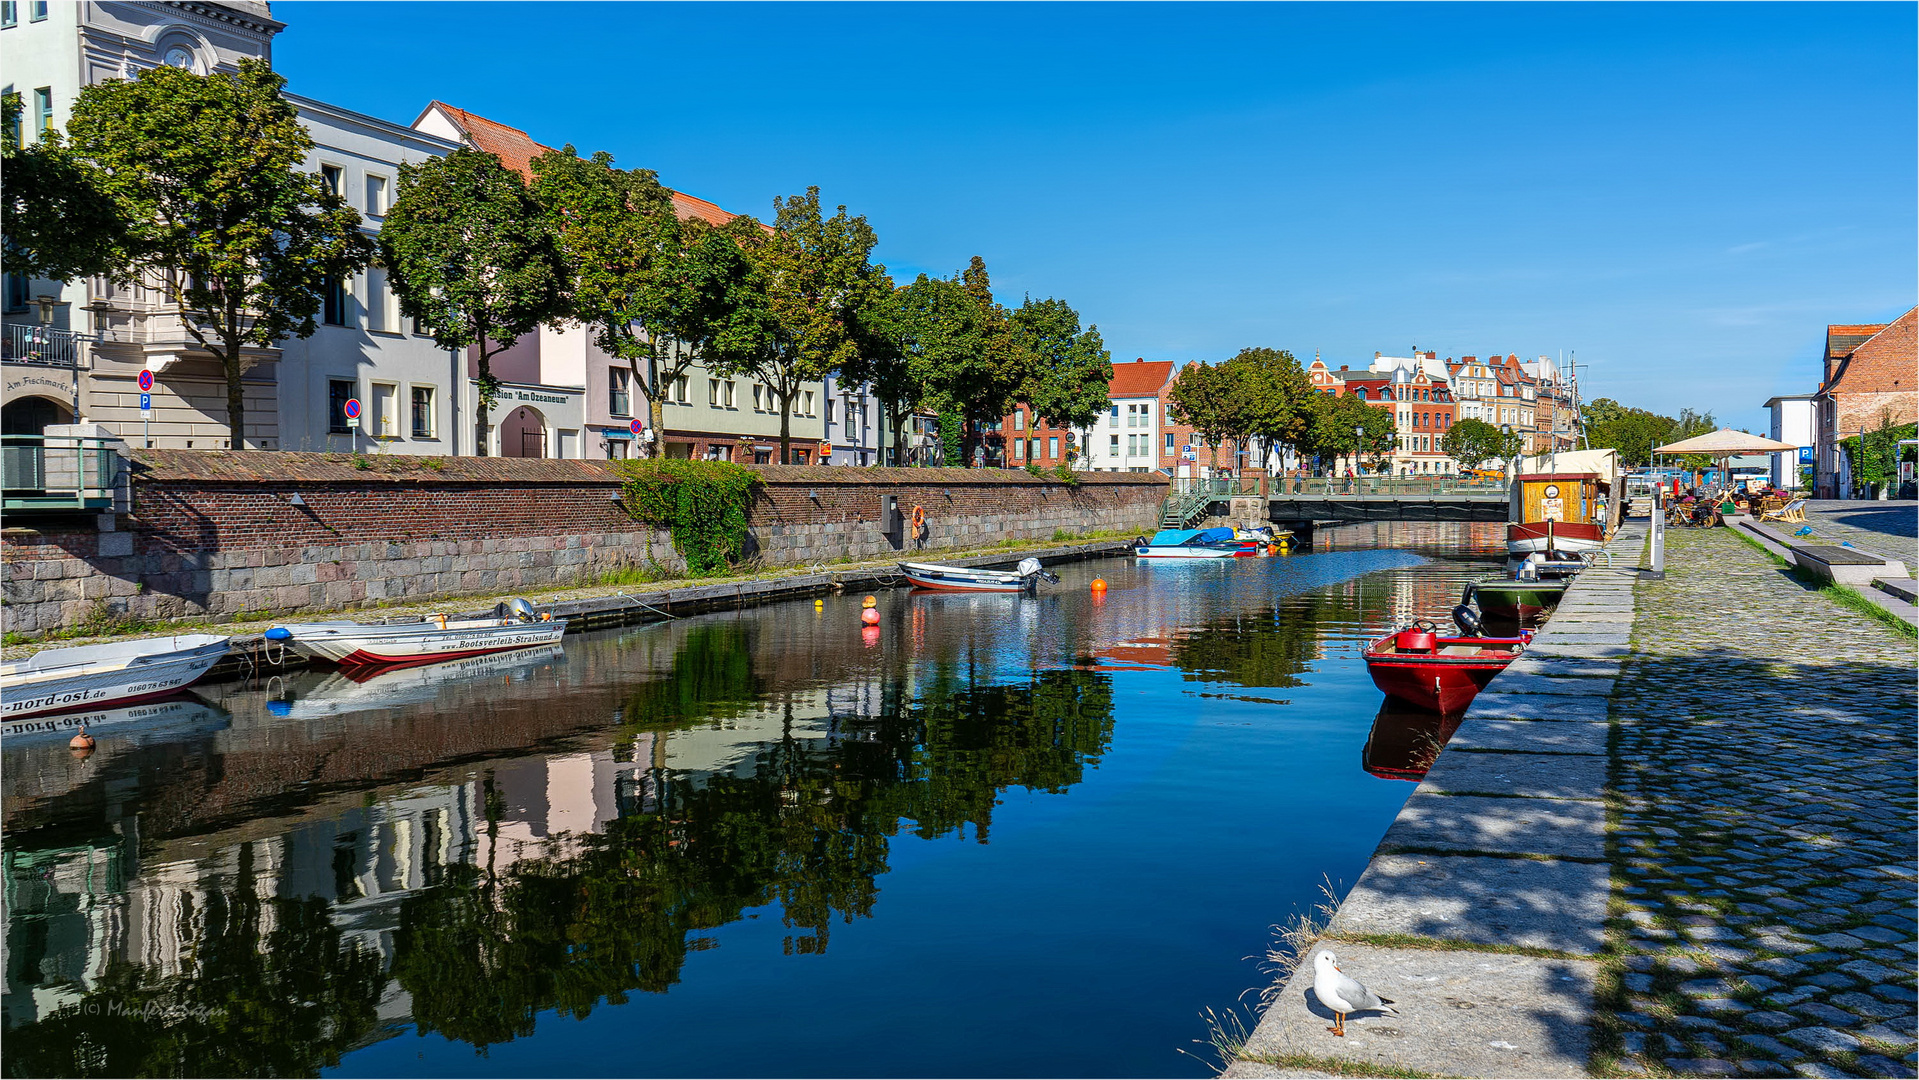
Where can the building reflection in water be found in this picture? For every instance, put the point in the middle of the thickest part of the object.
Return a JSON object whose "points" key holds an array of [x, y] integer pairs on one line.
{"points": [[464, 846]]}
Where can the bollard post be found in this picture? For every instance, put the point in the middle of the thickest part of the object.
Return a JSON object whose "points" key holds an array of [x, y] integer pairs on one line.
{"points": [[1658, 533]]}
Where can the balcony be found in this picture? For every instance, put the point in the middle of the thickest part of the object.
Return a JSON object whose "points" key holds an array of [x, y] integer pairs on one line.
{"points": [[57, 473], [26, 343]]}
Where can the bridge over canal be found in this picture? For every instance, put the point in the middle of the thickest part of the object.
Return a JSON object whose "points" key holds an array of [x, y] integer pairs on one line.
{"points": [[1301, 503]]}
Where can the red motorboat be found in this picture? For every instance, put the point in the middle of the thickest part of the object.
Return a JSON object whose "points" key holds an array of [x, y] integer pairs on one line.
{"points": [[1419, 666]]}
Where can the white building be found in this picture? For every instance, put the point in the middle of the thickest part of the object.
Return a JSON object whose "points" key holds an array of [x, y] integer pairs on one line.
{"points": [[1128, 437], [1793, 421]]}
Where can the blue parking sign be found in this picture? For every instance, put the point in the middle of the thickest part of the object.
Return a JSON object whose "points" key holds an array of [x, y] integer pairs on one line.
{"points": [[146, 402]]}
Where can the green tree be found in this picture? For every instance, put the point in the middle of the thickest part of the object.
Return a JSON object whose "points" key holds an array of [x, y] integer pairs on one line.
{"points": [[797, 318], [1472, 443], [472, 258], [963, 351], [1275, 395], [881, 360], [57, 221], [205, 171], [1344, 425], [1205, 397], [1069, 369]]}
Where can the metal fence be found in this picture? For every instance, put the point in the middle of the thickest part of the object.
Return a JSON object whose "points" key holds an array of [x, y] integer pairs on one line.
{"points": [[1438, 484], [56, 472], [25, 343]]}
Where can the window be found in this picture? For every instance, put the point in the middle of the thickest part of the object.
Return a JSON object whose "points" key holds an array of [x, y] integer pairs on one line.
{"points": [[17, 285], [759, 397], [334, 179], [1112, 421], [1019, 420], [386, 403], [37, 10], [376, 196], [1032, 449], [829, 409], [333, 302], [808, 399], [9, 13], [1114, 445], [1361, 393], [619, 394], [423, 412], [712, 391], [338, 392], [728, 394], [42, 111], [382, 305], [1172, 442], [1019, 449], [679, 391], [1052, 446]]}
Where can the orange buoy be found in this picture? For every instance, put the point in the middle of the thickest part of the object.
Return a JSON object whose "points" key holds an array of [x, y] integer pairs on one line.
{"points": [[1099, 584], [870, 616], [870, 602], [81, 740]]}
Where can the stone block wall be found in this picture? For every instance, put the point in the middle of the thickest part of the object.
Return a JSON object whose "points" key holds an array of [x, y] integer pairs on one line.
{"points": [[218, 534]]}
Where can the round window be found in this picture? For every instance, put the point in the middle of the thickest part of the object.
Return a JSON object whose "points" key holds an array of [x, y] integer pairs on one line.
{"points": [[181, 57]]}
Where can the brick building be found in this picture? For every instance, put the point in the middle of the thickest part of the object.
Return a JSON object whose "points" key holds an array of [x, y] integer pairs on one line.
{"points": [[1868, 382]]}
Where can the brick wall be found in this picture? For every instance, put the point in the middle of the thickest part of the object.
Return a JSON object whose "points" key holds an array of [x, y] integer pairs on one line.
{"points": [[218, 533]]}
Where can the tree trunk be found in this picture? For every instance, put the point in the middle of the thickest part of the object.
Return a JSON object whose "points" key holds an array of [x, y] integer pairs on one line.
{"points": [[899, 445], [786, 426], [655, 402], [482, 411], [236, 398]]}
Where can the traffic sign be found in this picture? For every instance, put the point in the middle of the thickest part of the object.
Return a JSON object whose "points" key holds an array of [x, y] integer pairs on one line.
{"points": [[636, 427], [352, 411], [146, 403], [146, 382], [1189, 454]]}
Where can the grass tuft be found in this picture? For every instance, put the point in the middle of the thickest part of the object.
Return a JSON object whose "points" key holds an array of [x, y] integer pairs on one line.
{"points": [[1336, 1067]]}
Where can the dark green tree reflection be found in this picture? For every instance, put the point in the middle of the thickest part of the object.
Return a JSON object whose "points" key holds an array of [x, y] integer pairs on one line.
{"points": [[806, 829], [269, 988]]}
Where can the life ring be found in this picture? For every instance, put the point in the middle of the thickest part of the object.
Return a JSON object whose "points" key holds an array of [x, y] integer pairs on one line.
{"points": [[919, 519]]}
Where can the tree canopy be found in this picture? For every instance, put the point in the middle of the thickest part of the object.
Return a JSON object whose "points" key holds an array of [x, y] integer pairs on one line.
{"points": [[1633, 432], [1068, 369], [1345, 425], [474, 259], [205, 170], [1472, 443], [57, 221]]}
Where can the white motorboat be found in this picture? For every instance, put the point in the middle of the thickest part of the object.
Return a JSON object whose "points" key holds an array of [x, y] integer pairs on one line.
{"points": [[1192, 544], [967, 579], [513, 625], [95, 676]]}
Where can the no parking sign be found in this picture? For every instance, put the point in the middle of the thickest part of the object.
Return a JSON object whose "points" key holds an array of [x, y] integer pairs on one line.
{"points": [[636, 427], [146, 380], [352, 411]]}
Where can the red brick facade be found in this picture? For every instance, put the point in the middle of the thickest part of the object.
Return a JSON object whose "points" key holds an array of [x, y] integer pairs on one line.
{"points": [[1871, 379]]}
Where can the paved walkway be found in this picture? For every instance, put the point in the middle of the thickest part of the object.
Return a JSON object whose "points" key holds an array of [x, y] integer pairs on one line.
{"points": [[1763, 764], [1889, 528], [1677, 837]]}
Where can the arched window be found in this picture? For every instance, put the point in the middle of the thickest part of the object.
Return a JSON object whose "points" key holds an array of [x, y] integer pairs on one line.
{"points": [[1385, 393], [1361, 392]]}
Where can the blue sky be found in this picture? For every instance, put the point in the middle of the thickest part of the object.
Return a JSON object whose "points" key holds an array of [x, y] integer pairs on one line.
{"points": [[1682, 195]]}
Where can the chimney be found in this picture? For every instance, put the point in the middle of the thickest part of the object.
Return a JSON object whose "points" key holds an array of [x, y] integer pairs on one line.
{"points": [[1139, 359], [1376, 355]]}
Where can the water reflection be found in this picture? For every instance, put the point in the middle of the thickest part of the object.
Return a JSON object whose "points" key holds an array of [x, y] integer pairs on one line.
{"points": [[319, 862], [1404, 741]]}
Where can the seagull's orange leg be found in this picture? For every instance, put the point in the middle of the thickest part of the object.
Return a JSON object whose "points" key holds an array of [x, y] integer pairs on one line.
{"points": [[1339, 1024]]}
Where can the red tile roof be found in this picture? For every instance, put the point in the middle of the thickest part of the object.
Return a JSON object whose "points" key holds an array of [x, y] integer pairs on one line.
{"points": [[1842, 338], [1141, 378], [516, 150]]}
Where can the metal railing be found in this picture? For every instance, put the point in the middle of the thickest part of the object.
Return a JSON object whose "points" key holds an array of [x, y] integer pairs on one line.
{"points": [[26, 343], [1443, 484], [58, 472]]}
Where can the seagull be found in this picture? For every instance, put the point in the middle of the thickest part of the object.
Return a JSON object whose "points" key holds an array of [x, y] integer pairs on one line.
{"points": [[1343, 994]]}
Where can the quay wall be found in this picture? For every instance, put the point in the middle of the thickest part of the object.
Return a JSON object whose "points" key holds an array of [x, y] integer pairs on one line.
{"points": [[218, 533]]}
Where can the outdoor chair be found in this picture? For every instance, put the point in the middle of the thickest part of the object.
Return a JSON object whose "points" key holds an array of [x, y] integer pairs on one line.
{"points": [[1793, 513]]}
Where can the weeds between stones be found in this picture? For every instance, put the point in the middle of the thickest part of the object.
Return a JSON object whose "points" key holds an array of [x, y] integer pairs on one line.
{"points": [[1336, 1067]]}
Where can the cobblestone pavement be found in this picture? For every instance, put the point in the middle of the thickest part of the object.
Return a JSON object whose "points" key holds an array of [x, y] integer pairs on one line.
{"points": [[1762, 770], [1888, 528]]}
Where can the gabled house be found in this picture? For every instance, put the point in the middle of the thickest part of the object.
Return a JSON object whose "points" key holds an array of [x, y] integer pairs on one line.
{"points": [[1868, 382]]}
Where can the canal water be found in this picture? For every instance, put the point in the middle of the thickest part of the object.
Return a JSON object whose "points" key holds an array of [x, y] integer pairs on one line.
{"points": [[993, 836]]}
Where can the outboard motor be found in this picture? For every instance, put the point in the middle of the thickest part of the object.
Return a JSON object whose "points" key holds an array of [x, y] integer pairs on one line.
{"points": [[1468, 622], [517, 609], [1033, 573], [1527, 570]]}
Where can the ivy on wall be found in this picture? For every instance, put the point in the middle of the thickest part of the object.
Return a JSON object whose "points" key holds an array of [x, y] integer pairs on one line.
{"points": [[702, 503]]}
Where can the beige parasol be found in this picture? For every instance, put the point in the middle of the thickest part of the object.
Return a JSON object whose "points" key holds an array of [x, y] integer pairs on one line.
{"points": [[1723, 444]]}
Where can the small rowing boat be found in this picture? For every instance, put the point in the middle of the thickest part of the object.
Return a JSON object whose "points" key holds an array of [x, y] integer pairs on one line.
{"points": [[513, 625], [967, 579], [96, 676], [1517, 600], [1418, 666], [1192, 544]]}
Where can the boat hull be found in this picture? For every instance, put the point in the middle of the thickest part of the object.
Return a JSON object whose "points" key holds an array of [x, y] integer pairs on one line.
{"points": [[1517, 600], [355, 644], [1445, 682], [961, 579], [1187, 552], [65, 688], [1528, 537]]}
